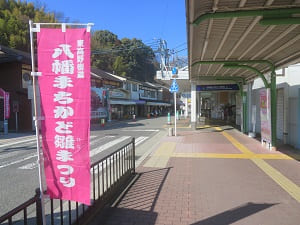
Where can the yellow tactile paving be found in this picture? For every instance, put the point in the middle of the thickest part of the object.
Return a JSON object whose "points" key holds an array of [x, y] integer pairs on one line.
{"points": [[270, 156], [166, 150], [231, 156], [237, 144], [203, 127], [289, 186], [274, 174], [161, 156]]}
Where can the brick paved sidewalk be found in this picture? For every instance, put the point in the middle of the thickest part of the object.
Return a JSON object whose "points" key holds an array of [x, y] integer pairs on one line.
{"points": [[211, 177]]}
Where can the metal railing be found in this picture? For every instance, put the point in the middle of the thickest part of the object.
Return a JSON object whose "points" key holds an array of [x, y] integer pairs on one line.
{"points": [[108, 177]]}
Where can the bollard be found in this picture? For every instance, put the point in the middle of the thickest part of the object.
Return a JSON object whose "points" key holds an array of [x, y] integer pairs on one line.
{"points": [[133, 117], [177, 115], [170, 133], [102, 122], [5, 126], [169, 118]]}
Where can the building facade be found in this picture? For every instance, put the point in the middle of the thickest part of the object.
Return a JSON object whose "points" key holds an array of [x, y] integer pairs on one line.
{"points": [[15, 68]]}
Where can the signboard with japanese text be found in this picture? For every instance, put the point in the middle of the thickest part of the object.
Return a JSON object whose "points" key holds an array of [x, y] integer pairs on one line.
{"points": [[265, 114], [218, 87], [64, 63]]}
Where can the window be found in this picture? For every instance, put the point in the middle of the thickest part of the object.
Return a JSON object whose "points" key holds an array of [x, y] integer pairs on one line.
{"points": [[134, 87], [152, 94], [127, 86]]}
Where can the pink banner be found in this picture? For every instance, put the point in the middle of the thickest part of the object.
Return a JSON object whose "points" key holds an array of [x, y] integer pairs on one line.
{"points": [[64, 61], [265, 114], [5, 96], [7, 106]]}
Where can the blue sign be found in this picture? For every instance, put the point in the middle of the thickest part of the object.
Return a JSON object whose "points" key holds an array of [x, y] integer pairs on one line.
{"points": [[174, 70], [217, 87], [174, 87]]}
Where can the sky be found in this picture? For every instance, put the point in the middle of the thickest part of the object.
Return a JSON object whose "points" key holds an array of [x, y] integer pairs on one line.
{"points": [[142, 19]]}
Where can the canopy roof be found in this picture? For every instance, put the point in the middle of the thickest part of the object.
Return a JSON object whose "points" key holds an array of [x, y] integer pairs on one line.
{"points": [[258, 34]]}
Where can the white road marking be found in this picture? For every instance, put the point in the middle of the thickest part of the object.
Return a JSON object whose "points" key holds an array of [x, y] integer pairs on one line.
{"points": [[140, 139], [93, 152], [34, 165], [18, 142], [155, 130], [98, 139], [30, 140], [29, 166], [107, 145], [8, 154], [17, 161], [8, 140]]}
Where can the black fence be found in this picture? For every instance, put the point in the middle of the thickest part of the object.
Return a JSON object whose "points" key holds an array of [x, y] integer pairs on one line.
{"points": [[108, 178]]}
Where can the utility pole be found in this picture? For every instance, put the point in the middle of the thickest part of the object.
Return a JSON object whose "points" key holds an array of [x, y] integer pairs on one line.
{"points": [[164, 56]]}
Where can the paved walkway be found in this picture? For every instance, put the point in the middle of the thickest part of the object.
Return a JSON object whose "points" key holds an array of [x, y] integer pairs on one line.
{"points": [[212, 176]]}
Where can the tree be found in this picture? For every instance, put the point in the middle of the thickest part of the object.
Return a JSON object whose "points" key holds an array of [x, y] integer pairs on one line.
{"points": [[102, 42], [14, 27], [139, 59], [125, 57], [119, 66]]}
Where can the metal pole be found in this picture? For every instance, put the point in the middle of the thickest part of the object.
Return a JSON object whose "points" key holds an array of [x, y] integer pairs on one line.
{"points": [[37, 134], [245, 112], [4, 113], [5, 122], [175, 113], [17, 127], [273, 109]]}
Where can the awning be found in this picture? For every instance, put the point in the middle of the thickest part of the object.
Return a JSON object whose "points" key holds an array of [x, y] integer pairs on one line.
{"points": [[122, 102], [158, 104], [140, 102], [237, 39]]}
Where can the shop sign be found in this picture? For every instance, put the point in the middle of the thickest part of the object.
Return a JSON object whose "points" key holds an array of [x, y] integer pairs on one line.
{"points": [[111, 83], [15, 106], [186, 95], [117, 94], [218, 87]]}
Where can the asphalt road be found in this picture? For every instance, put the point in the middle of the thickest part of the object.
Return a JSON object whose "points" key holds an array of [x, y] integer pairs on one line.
{"points": [[18, 158]]}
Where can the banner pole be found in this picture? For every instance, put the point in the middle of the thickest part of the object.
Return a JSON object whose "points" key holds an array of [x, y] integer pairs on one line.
{"points": [[4, 113], [175, 112], [36, 123]]}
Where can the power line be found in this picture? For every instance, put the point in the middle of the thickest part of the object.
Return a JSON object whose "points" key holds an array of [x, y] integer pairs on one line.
{"points": [[180, 45], [181, 50]]}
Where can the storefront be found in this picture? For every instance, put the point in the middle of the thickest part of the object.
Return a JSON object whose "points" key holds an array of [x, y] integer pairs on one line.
{"points": [[140, 108], [158, 108], [217, 102], [99, 104], [121, 105]]}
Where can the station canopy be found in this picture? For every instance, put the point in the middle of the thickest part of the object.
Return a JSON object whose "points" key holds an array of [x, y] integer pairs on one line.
{"points": [[235, 39]]}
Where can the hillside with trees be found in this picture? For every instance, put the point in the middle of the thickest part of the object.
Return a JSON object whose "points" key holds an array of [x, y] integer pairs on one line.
{"points": [[125, 57], [14, 27]]}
